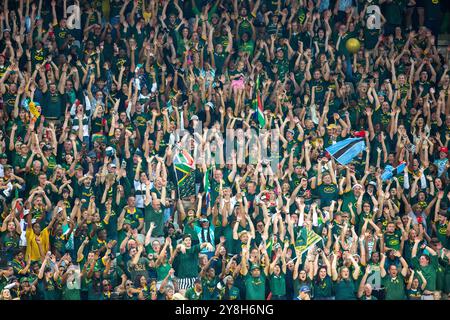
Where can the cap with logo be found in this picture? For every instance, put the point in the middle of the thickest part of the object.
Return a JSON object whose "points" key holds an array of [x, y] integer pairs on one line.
{"points": [[254, 267], [47, 148], [305, 289]]}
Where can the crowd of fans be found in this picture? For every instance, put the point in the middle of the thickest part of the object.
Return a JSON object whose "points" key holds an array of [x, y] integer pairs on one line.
{"points": [[100, 98]]}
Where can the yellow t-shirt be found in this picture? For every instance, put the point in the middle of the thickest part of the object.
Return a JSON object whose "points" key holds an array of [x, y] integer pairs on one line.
{"points": [[32, 247]]}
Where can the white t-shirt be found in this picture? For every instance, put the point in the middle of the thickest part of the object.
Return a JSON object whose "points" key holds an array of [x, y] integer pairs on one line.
{"points": [[233, 202], [140, 189]]}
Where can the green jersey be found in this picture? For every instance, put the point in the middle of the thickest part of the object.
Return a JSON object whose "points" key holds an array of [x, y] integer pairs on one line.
{"points": [[394, 287], [323, 288], [327, 193], [255, 287], [345, 289], [139, 269], [429, 271], [393, 241], [50, 289], [157, 217], [278, 284], [60, 35], [191, 294], [186, 264], [10, 241], [162, 271], [441, 233], [414, 294], [232, 293], [209, 286], [53, 107]]}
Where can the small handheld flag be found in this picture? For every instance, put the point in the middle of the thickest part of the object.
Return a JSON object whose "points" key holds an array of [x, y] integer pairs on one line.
{"points": [[344, 151], [390, 172], [259, 109], [207, 187], [184, 167], [305, 239]]}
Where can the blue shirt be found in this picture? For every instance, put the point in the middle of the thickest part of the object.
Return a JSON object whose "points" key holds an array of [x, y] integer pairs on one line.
{"points": [[324, 5], [440, 163], [344, 4]]}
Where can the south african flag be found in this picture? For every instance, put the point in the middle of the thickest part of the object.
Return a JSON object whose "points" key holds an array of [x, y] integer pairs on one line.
{"points": [[257, 103], [184, 168]]}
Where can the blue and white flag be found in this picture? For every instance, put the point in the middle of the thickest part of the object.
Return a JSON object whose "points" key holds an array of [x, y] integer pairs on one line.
{"points": [[390, 172], [344, 151]]}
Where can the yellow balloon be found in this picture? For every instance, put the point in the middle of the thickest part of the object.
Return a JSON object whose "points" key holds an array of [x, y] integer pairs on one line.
{"points": [[352, 45]]}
